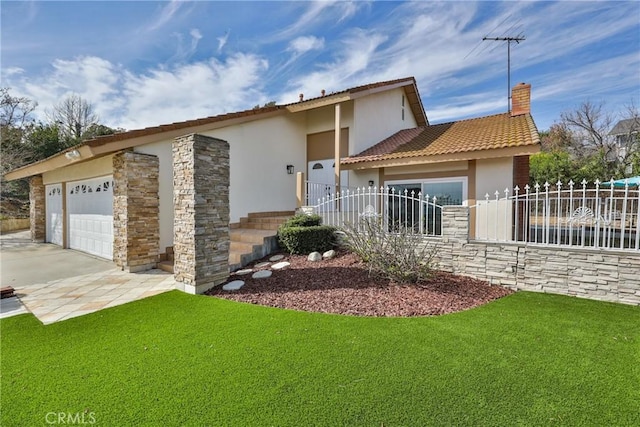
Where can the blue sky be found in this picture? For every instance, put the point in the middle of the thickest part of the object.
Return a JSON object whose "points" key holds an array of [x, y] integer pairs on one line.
{"points": [[147, 63]]}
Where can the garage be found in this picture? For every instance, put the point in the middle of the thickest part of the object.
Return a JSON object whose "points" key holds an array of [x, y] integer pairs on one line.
{"points": [[90, 210], [54, 213]]}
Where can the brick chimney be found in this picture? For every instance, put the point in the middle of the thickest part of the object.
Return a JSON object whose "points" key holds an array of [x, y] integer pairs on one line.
{"points": [[520, 99]]}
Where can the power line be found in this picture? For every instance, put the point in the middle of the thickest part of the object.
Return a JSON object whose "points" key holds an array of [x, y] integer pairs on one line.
{"points": [[517, 39]]}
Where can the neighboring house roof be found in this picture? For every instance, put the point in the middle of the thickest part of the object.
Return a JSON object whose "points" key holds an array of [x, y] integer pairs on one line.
{"points": [[627, 126], [108, 144], [441, 141]]}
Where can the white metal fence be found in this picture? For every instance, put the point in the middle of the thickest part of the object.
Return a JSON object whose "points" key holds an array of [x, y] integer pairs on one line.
{"points": [[409, 210], [599, 216]]}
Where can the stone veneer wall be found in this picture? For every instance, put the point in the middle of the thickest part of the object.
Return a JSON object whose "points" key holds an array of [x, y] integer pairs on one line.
{"points": [[201, 212], [37, 209], [589, 273], [136, 224]]}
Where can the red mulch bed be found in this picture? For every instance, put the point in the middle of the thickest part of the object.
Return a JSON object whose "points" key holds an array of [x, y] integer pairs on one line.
{"points": [[342, 285]]}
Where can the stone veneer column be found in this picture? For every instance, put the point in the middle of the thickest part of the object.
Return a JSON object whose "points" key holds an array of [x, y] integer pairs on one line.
{"points": [[455, 223], [37, 209], [136, 209], [201, 212]]}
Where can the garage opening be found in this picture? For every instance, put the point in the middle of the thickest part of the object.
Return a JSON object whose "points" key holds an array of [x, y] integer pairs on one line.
{"points": [[90, 210], [53, 203]]}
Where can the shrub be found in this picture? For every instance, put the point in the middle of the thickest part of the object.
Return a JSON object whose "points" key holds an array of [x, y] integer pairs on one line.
{"points": [[303, 220], [401, 256], [303, 240]]}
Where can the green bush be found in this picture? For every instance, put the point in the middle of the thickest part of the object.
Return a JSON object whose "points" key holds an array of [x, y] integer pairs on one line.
{"points": [[303, 220], [304, 240]]}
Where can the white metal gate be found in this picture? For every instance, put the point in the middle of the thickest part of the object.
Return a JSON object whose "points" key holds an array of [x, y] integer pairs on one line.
{"points": [[90, 210], [54, 213]]}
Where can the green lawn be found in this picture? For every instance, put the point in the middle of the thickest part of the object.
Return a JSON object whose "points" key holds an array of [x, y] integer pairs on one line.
{"points": [[176, 360]]}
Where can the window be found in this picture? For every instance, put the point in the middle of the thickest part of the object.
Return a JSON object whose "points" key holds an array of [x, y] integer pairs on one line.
{"points": [[447, 191]]}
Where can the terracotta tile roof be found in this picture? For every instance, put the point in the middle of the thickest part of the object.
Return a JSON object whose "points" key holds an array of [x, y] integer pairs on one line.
{"points": [[483, 133]]}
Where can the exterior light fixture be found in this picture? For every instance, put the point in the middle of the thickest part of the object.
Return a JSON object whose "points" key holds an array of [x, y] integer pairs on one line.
{"points": [[289, 169], [371, 183], [72, 155]]}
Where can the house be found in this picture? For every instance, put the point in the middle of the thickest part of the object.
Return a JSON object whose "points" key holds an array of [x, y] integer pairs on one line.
{"points": [[459, 162], [138, 196], [626, 133]]}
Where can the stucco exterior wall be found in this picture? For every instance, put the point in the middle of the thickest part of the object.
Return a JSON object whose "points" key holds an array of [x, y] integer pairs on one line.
{"points": [[361, 178], [493, 175], [90, 169], [494, 219], [259, 154], [324, 119], [377, 117]]}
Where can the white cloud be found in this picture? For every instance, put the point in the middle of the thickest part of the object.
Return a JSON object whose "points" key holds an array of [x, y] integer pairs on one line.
{"points": [[222, 41], [304, 44], [321, 12], [166, 14], [194, 90], [123, 98], [196, 35]]}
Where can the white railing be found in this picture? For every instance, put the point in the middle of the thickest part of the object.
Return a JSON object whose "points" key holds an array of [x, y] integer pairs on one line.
{"points": [[602, 216], [408, 210]]}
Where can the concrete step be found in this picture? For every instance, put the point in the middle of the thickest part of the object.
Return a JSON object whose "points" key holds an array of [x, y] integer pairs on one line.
{"points": [[271, 214], [242, 247], [254, 237], [260, 225], [246, 235], [166, 266]]}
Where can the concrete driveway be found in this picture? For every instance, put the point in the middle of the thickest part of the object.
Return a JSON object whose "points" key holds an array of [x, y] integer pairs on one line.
{"points": [[57, 284], [23, 262]]}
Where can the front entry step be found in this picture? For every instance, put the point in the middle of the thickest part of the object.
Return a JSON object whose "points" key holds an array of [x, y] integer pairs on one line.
{"points": [[255, 237]]}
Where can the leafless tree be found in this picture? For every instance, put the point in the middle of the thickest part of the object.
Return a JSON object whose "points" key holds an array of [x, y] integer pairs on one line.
{"points": [[73, 115], [590, 125], [15, 111]]}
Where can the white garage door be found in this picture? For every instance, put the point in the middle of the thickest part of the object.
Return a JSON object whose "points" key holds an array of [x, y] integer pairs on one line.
{"points": [[54, 213], [90, 210]]}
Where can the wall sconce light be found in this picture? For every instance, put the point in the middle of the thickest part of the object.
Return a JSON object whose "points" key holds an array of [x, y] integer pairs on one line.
{"points": [[72, 155], [289, 169], [371, 183]]}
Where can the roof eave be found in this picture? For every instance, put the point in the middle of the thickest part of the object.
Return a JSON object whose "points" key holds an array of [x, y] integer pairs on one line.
{"points": [[524, 150]]}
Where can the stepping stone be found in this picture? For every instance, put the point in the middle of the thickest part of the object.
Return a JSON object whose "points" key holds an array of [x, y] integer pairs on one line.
{"points": [[262, 274], [314, 256], [280, 265], [262, 265], [329, 254], [276, 258], [233, 286], [244, 272]]}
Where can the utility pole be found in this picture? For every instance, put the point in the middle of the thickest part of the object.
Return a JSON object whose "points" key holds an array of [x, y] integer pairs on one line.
{"points": [[509, 40]]}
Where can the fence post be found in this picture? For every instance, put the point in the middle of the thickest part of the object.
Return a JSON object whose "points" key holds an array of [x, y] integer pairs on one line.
{"points": [[300, 190], [455, 223]]}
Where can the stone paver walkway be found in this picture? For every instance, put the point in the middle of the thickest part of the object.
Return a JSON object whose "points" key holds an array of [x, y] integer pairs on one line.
{"points": [[75, 296]]}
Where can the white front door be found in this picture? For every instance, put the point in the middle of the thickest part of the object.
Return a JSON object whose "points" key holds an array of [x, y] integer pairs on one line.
{"points": [[90, 211], [322, 180], [54, 213]]}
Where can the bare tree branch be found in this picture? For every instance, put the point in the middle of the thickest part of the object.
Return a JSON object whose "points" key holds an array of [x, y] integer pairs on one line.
{"points": [[73, 116]]}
